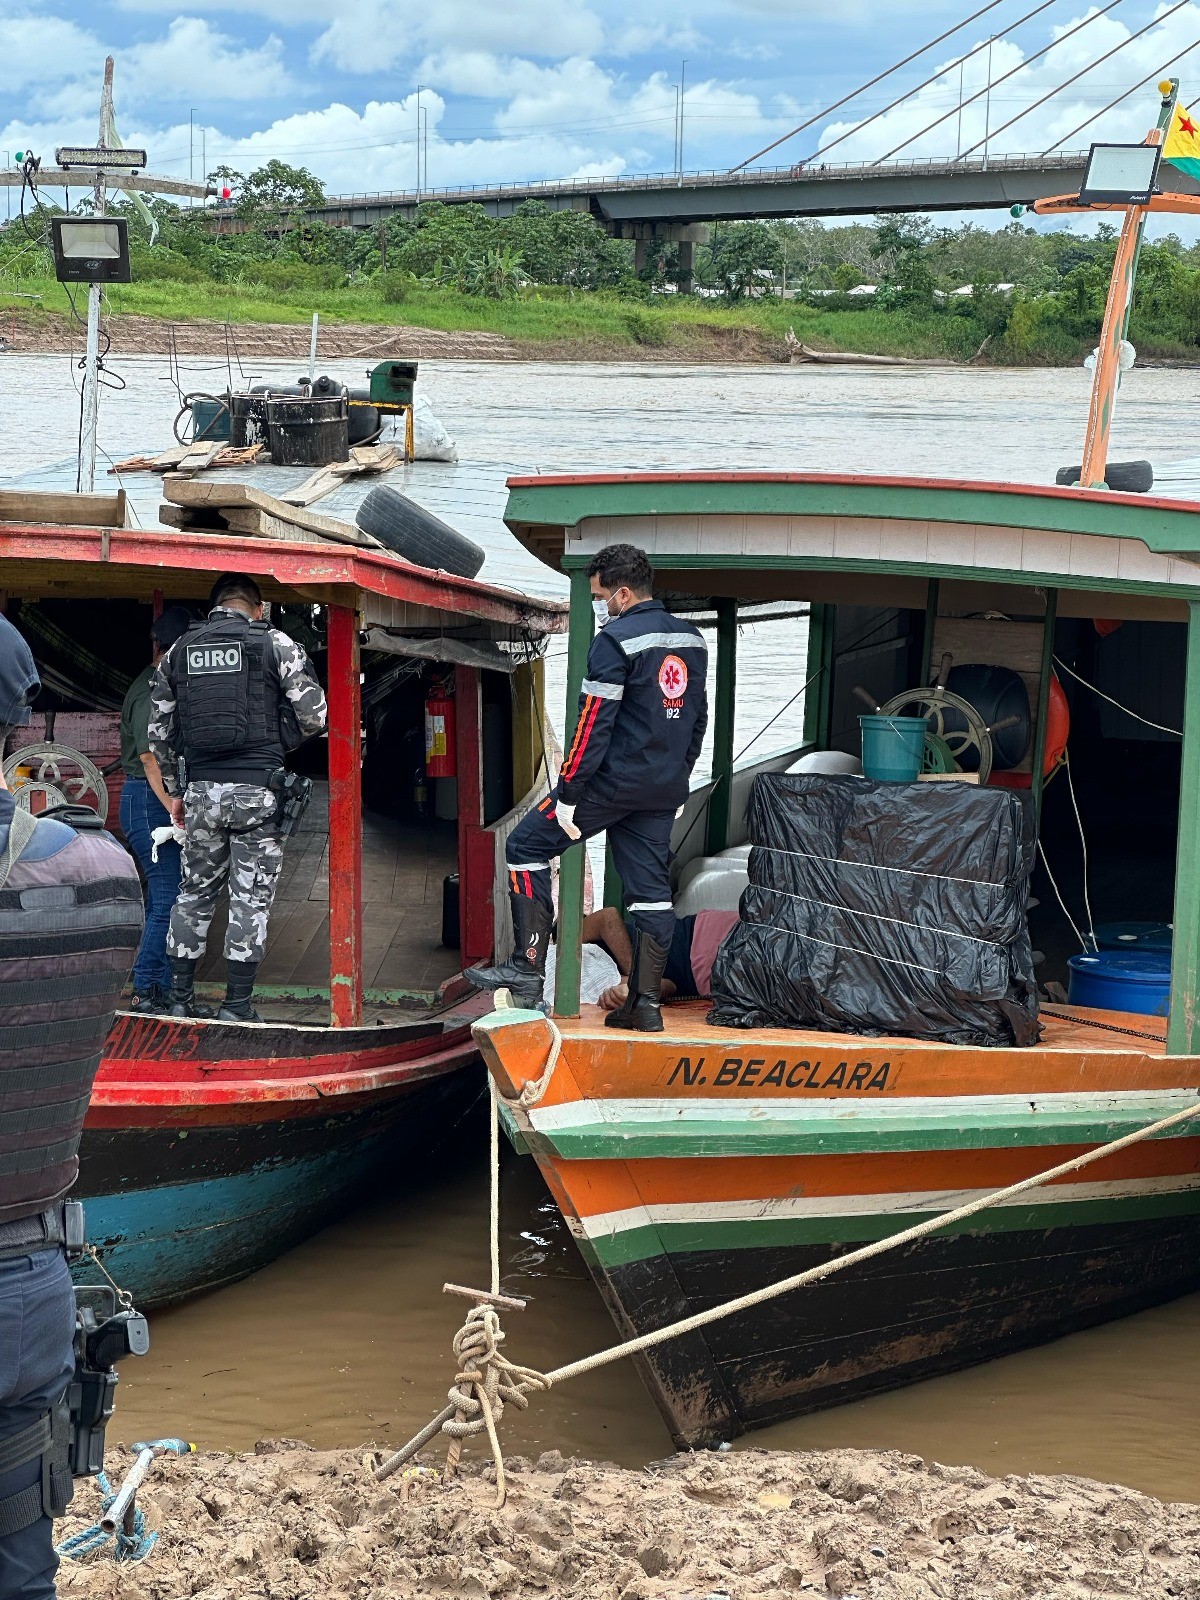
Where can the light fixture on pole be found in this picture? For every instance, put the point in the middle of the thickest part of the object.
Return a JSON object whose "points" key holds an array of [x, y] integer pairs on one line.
{"points": [[1120, 174], [90, 250]]}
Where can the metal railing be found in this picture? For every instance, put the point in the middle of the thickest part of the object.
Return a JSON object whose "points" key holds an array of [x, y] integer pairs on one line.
{"points": [[717, 177]]}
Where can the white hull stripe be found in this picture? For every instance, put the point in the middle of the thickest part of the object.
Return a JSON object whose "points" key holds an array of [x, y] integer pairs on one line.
{"points": [[792, 1109], [609, 1223], [603, 691]]}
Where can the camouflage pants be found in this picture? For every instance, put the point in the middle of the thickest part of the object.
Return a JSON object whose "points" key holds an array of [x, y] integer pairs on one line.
{"points": [[231, 837]]}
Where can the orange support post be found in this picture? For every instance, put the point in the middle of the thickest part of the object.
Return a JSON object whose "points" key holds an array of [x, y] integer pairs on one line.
{"points": [[345, 818], [476, 848]]}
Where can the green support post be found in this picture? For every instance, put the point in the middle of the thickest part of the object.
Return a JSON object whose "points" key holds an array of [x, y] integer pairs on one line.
{"points": [[571, 863], [1038, 782], [1183, 1027], [723, 713], [818, 702]]}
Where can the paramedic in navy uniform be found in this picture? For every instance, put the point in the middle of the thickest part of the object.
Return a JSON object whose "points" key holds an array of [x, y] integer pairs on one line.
{"points": [[643, 710]]}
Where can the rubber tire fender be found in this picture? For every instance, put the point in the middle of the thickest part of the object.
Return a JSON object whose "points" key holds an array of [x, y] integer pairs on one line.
{"points": [[1122, 477], [417, 534]]}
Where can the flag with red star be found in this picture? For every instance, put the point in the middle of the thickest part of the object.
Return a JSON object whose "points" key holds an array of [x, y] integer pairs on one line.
{"points": [[1182, 144]]}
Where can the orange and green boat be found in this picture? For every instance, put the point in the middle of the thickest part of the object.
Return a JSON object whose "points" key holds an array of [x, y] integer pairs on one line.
{"points": [[699, 1164]]}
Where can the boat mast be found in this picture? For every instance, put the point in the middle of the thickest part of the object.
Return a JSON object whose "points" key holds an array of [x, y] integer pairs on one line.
{"points": [[1116, 318]]}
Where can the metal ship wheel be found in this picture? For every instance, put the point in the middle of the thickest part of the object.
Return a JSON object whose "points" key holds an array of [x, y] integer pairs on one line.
{"points": [[931, 706], [64, 776]]}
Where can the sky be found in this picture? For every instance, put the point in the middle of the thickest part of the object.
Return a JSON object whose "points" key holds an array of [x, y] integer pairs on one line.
{"points": [[525, 89]]}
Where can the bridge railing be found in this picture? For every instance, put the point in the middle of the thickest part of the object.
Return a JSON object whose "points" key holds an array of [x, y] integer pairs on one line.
{"points": [[670, 180]]}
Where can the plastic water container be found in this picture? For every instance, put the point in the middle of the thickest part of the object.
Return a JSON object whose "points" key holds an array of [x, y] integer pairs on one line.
{"points": [[1134, 935], [1122, 980], [893, 748]]}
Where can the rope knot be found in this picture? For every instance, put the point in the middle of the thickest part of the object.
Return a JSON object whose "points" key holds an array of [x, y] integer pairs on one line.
{"points": [[485, 1382]]}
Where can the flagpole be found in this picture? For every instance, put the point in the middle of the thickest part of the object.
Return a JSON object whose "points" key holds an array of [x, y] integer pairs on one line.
{"points": [[1116, 318]]}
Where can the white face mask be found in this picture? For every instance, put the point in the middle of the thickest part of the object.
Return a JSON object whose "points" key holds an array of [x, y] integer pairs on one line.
{"points": [[600, 607]]}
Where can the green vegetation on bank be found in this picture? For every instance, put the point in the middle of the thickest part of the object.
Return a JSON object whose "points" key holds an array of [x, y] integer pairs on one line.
{"points": [[556, 279]]}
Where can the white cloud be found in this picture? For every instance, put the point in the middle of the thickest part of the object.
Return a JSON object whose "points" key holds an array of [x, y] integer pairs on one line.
{"points": [[195, 59], [641, 38], [42, 50], [368, 36]]}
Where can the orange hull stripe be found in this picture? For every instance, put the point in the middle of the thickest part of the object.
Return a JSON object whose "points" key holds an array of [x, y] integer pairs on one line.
{"points": [[599, 1186]]}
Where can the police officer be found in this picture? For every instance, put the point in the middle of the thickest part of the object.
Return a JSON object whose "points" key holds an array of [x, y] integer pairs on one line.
{"points": [[643, 711], [70, 921], [229, 698]]}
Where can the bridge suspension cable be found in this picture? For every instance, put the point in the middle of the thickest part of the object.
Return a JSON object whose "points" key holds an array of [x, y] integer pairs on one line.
{"points": [[1012, 72], [1151, 77], [1067, 82], [878, 78], [908, 93]]}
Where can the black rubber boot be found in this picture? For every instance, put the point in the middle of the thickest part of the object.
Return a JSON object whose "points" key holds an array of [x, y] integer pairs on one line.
{"points": [[239, 986], [151, 1004], [181, 1002], [525, 970], [641, 1012]]}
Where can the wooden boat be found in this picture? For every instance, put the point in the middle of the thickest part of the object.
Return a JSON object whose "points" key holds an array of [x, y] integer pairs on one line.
{"points": [[210, 1147], [705, 1162]]}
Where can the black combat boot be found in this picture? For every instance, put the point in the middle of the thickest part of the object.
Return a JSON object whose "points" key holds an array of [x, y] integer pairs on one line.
{"points": [[641, 1011], [181, 1001], [239, 986], [525, 970], [152, 1003]]}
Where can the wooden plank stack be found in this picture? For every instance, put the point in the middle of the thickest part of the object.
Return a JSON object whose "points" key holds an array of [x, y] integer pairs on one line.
{"points": [[210, 506]]}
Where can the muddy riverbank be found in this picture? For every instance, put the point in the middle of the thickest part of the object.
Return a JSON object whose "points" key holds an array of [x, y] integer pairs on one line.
{"points": [[36, 332], [288, 1523]]}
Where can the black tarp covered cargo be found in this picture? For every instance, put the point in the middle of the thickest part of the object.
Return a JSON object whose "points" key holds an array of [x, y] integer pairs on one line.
{"points": [[894, 908]]}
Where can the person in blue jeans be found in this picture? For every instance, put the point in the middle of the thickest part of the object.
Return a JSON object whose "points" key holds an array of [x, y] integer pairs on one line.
{"points": [[145, 805]]}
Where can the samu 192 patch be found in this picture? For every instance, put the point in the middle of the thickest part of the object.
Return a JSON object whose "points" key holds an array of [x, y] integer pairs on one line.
{"points": [[203, 659]]}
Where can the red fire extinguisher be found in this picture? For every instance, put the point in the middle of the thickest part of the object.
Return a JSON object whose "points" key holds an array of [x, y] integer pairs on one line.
{"points": [[439, 735]]}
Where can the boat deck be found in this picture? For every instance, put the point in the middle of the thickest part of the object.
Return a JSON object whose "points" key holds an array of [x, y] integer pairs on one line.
{"points": [[1067, 1028], [403, 868]]}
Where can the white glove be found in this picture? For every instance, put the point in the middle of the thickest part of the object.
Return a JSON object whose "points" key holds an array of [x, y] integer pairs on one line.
{"points": [[564, 815], [681, 810], [162, 836]]}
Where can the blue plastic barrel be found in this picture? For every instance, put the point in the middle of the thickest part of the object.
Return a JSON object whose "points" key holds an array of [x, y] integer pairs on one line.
{"points": [[1133, 935], [893, 748], [210, 418], [1122, 980]]}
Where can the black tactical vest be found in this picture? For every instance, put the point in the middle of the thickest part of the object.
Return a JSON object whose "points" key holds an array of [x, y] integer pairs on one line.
{"points": [[70, 923], [229, 699]]}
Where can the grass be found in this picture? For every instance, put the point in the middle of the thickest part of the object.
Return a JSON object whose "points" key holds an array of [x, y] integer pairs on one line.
{"points": [[596, 324]]}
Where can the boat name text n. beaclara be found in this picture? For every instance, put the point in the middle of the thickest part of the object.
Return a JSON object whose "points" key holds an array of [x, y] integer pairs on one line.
{"points": [[862, 1076]]}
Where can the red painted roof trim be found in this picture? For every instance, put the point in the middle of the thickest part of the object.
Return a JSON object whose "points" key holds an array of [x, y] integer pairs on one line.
{"points": [[303, 565]]}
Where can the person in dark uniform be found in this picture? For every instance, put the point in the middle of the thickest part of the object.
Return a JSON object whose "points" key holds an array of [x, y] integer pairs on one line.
{"points": [[146, 805], [643, 711], [231, 697], [70, 921]]}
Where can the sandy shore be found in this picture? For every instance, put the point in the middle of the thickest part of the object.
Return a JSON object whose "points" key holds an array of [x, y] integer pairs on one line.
{"points": [[49, 333], [288, 1523]]}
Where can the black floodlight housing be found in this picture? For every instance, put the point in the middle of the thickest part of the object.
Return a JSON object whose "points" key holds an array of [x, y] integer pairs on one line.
{"points": [[96, 158], [91, 249], [1120, 174]]}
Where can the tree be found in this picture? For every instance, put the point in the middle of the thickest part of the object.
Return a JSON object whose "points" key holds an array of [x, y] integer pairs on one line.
{"points": [[221, 178], [742, 253], [275, 188]]}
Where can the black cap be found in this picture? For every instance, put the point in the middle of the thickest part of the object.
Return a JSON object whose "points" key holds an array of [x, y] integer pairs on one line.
{"points": [[172, 625], [19, 681], [234, 584]]}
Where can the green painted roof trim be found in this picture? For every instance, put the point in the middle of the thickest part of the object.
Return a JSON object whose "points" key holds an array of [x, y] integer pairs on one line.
{"points": [[1167, 529]]}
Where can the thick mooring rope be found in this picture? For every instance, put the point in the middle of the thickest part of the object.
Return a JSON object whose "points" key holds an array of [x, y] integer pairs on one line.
{"points": [[495, 1375]]}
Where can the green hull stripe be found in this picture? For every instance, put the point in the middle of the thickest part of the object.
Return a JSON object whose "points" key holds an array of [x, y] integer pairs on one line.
{"points": [[680, 1238], [854, 1136]]}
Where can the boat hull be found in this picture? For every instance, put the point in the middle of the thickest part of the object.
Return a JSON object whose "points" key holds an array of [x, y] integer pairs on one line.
{"points": [[210, 1148], [686, 1186]]}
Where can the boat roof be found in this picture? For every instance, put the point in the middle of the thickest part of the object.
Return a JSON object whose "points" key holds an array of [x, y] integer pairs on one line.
{"points": [[866, 540], [70, 547]]}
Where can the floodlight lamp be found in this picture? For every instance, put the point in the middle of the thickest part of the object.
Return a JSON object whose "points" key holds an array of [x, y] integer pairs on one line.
{"points": [[1120, 174], [98, 157], [91, 249]]}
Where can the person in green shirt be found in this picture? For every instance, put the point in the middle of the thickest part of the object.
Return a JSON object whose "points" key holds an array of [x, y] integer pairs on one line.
{"points": [[145, 805]]}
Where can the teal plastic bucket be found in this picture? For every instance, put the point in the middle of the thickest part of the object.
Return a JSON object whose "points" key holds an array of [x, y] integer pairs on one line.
{"points": [[893, 748]]}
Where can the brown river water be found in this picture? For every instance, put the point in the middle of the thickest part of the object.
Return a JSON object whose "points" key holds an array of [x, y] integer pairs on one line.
{"points": [[347, 1337]]}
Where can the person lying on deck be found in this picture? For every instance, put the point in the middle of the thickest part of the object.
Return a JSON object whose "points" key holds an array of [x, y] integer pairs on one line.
{"points": [[688, 971]]}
